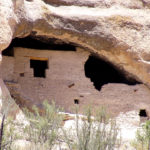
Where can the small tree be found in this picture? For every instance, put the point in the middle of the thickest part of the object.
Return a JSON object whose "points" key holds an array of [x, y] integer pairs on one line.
{"points": [[93, 133]]}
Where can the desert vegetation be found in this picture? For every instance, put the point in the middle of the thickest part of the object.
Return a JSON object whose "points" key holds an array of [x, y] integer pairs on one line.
{"points": [[93, 133], [47, 130], [142, 140]]}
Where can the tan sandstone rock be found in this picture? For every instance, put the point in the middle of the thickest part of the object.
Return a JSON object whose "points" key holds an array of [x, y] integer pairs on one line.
{"points": [[116, 31]]}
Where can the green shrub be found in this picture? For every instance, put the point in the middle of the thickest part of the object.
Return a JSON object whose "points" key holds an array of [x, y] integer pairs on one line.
{"points": [[142, 141], [8, 134], [8, 130], [43, 131], [98, 133]]}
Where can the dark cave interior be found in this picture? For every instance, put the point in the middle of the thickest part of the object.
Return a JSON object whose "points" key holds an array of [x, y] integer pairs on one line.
{"points": [[101, 72], [30, 42]]}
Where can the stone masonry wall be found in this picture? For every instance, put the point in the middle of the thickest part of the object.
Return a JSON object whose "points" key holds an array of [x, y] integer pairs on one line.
{"points": [[65, 78], [66, 81]]}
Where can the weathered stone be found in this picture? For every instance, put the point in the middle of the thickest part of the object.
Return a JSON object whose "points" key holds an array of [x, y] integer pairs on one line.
{"points": [[99, 3], [116, 31]]}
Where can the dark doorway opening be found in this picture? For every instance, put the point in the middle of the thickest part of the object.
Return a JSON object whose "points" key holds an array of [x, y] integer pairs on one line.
{"points": [[76, 101], [39, 67], [101, 72], [143, 113]]}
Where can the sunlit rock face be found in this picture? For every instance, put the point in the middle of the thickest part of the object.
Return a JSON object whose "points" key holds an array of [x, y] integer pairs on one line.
{"points": [[116, 31]]}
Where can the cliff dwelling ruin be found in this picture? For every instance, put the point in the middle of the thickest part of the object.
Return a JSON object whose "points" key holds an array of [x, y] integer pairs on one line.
{"points": [[67, 74]]}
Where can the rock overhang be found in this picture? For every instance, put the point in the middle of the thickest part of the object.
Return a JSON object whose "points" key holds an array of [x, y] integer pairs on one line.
{"points": [[117, 32]]}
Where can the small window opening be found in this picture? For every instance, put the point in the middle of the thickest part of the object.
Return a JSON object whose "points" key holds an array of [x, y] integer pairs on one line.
{"points": [[76, 101], [39, 67], [71, 85], [101, 72], [143, 113], [21, 74], [81, 96]]}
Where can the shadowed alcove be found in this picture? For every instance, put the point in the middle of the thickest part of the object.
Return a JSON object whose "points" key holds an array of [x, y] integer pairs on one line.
{"points": [[30, 42], [52, 69], [101, 72]]}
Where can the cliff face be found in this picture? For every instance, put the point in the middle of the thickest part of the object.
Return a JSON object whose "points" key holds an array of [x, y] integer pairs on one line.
{"points": [[116, 31]]}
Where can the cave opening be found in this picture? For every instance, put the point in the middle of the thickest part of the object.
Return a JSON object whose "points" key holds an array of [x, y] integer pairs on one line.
{"points": [[39, 67], [101, 72]]}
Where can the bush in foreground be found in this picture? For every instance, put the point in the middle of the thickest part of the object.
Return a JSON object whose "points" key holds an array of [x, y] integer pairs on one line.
{"points": [[93, 133], [45, 131], [142, 141]]}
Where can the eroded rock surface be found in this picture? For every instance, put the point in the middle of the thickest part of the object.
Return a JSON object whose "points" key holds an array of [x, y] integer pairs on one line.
{"points": [[116, 31]]}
